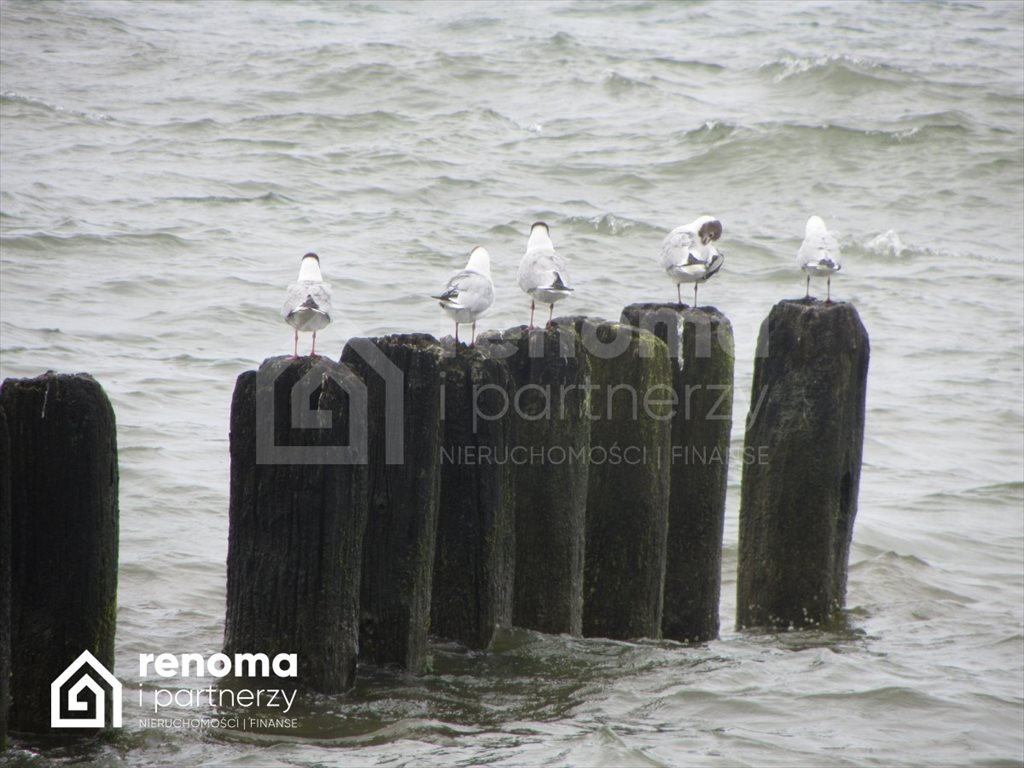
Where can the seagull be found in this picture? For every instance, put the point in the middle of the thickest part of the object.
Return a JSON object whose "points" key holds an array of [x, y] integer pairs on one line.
{"points": [[687, 255], [307, 305], [470, 292], [542, 272], [819, 254]]}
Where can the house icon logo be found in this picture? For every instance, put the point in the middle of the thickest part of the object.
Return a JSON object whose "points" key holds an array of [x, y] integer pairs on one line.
{"points": [[78, 695]]}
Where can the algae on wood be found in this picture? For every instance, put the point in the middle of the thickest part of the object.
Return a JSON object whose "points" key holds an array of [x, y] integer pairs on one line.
{"points": [[474, 557], [628, 487], [64, 535], [402, 373], [797, 508], [700, 344], [297, 513], [551, 435]]}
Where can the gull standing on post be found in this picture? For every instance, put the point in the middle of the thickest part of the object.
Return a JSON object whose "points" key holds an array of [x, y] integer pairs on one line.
{"points": [[307, 305], [542, 272], [470, 292], [688, 256], [819, 254]]}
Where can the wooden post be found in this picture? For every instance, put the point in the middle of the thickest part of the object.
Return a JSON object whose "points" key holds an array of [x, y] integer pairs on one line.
{"points": [[402, 374], [473, 563], [297, 515], [64, 534], [798, 506], [551, 436], [628, 486], [700, 344], [5, 578]]}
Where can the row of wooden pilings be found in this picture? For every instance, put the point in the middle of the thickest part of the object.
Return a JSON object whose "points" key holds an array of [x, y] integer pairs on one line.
{"points": [[569, 479]]}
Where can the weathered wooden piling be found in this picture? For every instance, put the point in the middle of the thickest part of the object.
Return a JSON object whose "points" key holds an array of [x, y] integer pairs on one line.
{"points": [[700, 345], [64, 535], [474, 558], [628, 485], [551, 435], [402, 374], [297, 515], [5, 578], [797, 508]]}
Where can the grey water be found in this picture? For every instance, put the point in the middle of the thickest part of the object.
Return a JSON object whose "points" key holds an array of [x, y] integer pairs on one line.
{"points": [[164, 165]]}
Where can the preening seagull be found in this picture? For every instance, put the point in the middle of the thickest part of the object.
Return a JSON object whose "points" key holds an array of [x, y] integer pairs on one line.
{"points": [[819, 254], [543, 274], [688, 256], [470, 292], [307, 305]]}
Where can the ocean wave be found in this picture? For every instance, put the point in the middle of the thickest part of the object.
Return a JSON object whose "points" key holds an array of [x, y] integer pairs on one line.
{"points": [[608, 224], [887, 244], [14, 97], [617, 83], [266, 197], [839, 71], [373, 120], [688, 63], [710, 132], [42, 241]]}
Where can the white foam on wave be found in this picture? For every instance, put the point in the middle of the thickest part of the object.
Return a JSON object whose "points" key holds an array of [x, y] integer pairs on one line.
{"points": [[887, 243]]}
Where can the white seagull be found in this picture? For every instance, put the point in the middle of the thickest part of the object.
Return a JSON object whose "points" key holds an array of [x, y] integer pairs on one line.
{"points": [[470, 292], [307, 305], [688, 256], [819, 254], [542, 272]]}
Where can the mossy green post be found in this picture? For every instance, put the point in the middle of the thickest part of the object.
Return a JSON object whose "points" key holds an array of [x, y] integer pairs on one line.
{"points": [[550, 439], [5, 578], [700, 345], [64, 535], [403, 377], [297, 512], [474, 557], [628, 490], [798, 507]]}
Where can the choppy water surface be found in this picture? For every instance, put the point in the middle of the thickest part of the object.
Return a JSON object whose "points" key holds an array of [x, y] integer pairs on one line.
{"points": [[164, 165]]}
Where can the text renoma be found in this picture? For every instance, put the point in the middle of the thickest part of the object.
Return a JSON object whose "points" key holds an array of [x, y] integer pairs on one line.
{"points": [[219, 665]]}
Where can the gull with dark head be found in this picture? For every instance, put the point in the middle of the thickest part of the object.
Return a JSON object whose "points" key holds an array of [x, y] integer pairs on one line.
{"points": [[307, 305], [819, 254], [470, 292], [543, 273], [689, 256]]}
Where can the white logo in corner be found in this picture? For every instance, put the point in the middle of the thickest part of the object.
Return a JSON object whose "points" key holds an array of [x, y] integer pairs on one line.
{"points": [[77, 696]]}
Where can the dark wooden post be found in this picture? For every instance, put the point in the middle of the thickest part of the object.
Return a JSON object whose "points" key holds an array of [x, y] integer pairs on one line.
{"points": [[64, 535], [551, 436], [473, 564], [402, 374], [5, 578], [297, 515], [798, 504], [628, 486], [700, 344]]}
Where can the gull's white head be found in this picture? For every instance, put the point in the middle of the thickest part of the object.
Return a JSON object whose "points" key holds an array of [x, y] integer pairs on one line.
{"points": [[310, 268], [540, 236], [479, 261], [815, 224]]}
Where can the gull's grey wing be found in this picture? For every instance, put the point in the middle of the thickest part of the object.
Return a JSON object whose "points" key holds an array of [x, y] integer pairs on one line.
{"points": [[679, 248], [469, 290], [298, 293], [539, 268]]}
